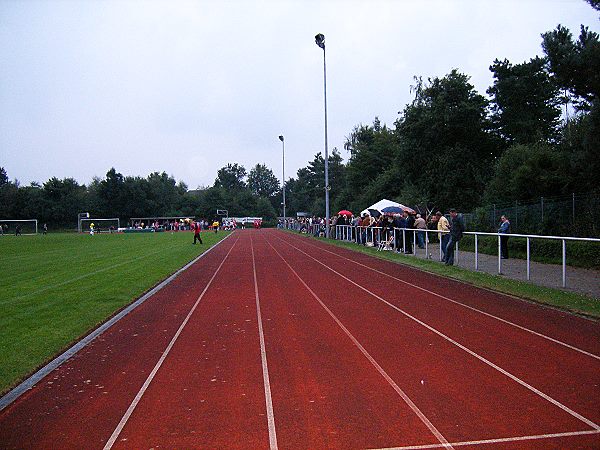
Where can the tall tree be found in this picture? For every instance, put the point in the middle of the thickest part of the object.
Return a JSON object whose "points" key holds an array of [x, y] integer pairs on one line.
{"points": [[575, 64], [525, 102], [3, 176], [231, 177], [263, 182], [64, 199], [372, 153], [446, 147]]}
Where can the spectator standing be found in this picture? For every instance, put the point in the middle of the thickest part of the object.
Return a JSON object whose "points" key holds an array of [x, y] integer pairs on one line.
{"points": [[444, 226], [420, 225], [410, 224], [457, 228], [504, 230]]}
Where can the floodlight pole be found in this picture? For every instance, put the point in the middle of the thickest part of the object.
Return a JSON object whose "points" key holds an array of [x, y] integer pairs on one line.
{"points": [[283, 179], [320, 41]]}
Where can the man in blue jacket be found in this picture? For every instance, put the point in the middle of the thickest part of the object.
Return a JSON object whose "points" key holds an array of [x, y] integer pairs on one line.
{"points": [[504, 230]]}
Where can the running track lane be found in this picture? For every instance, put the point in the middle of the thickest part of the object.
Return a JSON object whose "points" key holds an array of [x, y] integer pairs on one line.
{"points": [[571, 377], [209, 391], [80, 403], [497, 407], [326, 393]]}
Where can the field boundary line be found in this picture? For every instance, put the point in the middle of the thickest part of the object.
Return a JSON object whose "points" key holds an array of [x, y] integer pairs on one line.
{"points": [[443, 441], [496, 440], [263, 357], [459, 345], [157, 366], [508, 322], [31, 381]]}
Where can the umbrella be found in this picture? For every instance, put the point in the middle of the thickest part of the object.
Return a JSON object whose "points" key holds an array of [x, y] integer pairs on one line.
{"points": [[344, 212], [397, 210], [374, 212]]}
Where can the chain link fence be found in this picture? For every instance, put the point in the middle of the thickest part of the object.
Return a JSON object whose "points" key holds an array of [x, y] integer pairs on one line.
{"points": [[575, 215]]}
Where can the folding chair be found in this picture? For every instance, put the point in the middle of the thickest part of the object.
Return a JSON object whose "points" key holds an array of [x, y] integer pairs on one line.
{"points": [[386, 244]]}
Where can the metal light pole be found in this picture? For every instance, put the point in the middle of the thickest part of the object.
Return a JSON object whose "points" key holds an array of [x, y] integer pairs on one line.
{"points": [[283, 182], [320, 41]]}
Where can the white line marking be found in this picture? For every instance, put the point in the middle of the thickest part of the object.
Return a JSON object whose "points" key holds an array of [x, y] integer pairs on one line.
{"points": [[496, 441], [144, 387], [461, 304], [462, 347], [392, 383], [263, 356]]}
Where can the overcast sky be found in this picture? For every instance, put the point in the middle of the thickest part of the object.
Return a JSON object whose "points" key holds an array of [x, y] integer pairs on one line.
{"points": [[186, 87]]}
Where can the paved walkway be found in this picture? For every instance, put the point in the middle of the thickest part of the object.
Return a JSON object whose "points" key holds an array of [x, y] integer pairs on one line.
{"points": [[583, 281]]}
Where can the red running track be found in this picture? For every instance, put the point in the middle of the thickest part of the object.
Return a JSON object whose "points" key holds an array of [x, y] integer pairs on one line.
{"points": [[273, 340]]}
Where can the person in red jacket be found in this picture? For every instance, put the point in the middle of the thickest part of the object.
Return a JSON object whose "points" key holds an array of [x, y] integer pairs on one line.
{"points": [[197, 228]]}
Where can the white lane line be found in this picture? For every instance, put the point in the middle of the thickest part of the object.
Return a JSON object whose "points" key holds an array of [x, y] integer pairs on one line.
{"points": [[556, 341], [496, 441], [443, 441], [144, 387], [263, 356], [462, 347]]}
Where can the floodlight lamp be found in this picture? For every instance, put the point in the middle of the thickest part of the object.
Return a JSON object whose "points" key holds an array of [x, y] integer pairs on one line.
{"points": [[281, 138], [320, 40]]}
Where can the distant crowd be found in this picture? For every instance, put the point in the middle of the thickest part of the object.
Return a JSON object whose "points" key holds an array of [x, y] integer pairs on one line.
{"points": [[395, 231]]}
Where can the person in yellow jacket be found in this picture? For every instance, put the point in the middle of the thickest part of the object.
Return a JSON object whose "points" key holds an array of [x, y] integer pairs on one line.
{"points": [[215, 225], [444, 226]]}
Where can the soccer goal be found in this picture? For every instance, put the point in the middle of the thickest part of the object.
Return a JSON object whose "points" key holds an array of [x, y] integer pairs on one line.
{"points": [[25, 227], [100, 225]]}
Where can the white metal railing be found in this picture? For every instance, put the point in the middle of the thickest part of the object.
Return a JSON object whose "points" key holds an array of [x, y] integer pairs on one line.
{"points": [[373, 235]]}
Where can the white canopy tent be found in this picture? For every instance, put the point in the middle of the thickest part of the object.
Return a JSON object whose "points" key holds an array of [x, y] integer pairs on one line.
{"points": [[384, 203]]}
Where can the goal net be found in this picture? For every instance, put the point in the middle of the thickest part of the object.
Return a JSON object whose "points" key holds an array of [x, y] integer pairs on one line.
{"points": [[100, 225], [24, 226]]}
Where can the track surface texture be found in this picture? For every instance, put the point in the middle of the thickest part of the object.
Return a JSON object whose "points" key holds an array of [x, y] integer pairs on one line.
{"points": [[273, 340]]}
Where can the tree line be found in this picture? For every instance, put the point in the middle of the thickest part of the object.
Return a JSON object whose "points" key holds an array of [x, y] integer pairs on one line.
{"points": [[535, 134]]}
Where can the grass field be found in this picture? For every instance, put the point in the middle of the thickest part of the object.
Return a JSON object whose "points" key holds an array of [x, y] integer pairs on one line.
{"points": [[56, 288]]}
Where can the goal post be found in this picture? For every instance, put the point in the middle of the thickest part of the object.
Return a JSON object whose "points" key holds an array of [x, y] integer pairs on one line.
{"points": [[26, 227], [100, 225]]}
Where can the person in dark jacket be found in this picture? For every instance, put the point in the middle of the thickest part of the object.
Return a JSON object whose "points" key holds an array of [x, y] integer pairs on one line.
{"points": [[457, 228], [504, 230], [410, 224]]}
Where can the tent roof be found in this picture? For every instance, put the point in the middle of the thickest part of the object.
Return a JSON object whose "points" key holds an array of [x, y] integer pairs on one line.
{"points": [[382, 204]]}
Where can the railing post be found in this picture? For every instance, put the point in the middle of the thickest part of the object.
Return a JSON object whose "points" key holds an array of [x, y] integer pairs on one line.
{"points": [[528, 262], [403, 240], [456, 252], [476, 255], [499, 257], [440, 239], [414, 242], [564, 263], [426, 244]]}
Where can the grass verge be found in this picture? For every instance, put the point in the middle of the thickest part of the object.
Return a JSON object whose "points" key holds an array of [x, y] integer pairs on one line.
{"points": [[54, 289], [569, 301]]}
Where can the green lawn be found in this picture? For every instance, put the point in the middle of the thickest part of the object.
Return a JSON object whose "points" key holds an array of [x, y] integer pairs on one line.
{"points": [[56, 288], [555, 297]]}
